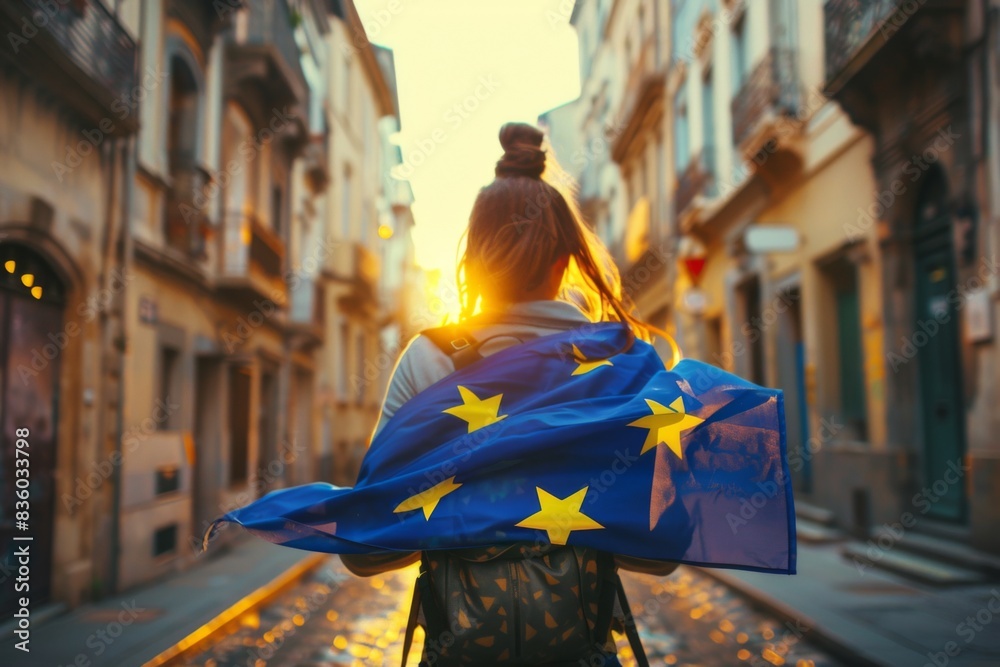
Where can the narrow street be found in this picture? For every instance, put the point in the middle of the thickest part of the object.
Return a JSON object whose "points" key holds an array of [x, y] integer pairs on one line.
{"points": [[281, 279], [333, 618]]}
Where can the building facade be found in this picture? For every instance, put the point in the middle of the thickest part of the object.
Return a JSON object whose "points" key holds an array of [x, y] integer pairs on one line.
{"points": [[67, 125], [360, 96], [619, 156], [935, 229], [191, 265], [798, 146]]}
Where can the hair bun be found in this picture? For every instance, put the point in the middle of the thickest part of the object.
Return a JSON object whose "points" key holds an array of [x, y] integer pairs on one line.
{"points": [[523, 154]]}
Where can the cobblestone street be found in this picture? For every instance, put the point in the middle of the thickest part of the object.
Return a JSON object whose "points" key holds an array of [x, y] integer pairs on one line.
{"points": [[332, 618]]}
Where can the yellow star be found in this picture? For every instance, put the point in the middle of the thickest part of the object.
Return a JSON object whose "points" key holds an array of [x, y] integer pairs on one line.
{"points": [[478, 413], [558, 517], [428, 500], [665, 425], [587, 365]]}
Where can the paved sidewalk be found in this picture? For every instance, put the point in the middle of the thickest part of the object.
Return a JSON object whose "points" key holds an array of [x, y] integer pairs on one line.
{"points": [[133, 628], [873, 617]]}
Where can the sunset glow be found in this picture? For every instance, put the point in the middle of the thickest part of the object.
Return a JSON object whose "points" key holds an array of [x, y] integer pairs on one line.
{"points": [[493, 63]]}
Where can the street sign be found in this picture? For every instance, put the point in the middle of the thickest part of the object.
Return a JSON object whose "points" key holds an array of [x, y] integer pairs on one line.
{"points": [[695, 301], [762, 239]]}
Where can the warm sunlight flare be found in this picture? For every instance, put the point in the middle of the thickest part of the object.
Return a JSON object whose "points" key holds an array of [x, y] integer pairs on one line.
{"points": [[494, 62], [350, 332]]}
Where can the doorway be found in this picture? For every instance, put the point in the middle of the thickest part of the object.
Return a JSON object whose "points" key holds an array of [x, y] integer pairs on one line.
{"points": [[32, 302], [790, 351], [935, 336], [751, 328]]}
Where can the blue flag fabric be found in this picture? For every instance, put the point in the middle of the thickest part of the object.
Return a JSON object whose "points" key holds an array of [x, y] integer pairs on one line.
{"points": [[580, 438]]}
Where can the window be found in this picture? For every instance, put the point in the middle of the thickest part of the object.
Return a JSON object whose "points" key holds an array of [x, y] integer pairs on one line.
{"points": [[367, 115], [167, 480], [345, 204], [739, 53], [359, 351], [366, 235], [682, 147], [169, 376], [343, 371], [239, 424], [183, 118], [165, 540], [708, 129], [277, 211], [344, 81]]}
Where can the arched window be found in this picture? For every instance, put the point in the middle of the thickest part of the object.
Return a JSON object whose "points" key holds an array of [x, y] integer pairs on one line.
{"points": [[184, 120], [184, 218]]}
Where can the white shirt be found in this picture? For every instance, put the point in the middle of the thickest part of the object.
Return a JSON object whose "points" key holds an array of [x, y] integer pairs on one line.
{"points": [[422, 363]]}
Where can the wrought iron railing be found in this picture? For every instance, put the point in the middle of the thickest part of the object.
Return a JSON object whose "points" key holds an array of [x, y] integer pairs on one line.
{"points": [[774, 86], [697, 179], [315, 159], [270, 22], [850, 24], [187, 225], [91, 37], [248, 246]]}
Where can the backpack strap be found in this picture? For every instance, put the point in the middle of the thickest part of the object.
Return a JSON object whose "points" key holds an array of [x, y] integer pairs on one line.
{"points": [[613, 604], [423, 594], [411, 623], [606, 600], [629, 621], [457, 341]]}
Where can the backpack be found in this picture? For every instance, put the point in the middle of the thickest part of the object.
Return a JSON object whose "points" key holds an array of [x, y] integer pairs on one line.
{"points": [[528, 604]]}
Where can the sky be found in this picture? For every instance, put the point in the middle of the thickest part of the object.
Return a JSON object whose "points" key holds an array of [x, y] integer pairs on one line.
{"points": [[464, 68]]}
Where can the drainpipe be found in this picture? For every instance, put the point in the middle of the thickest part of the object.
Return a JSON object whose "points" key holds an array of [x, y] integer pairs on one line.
{"points": [[109, 154], [129, 160], [658, 37], [991, 23]]}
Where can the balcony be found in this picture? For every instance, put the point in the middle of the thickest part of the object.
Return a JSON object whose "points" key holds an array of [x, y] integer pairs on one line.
{"points": [[642, 101], [263, 52], [854, 31], [697, 183], [186, 224], [360, 272], [306, 313], [771, 95], [768, 119], [80, 52], [251, 261], [316, 161]]}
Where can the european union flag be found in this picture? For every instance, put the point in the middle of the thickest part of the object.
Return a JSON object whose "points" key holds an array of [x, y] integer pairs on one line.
{"points": [[580, 438]]}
